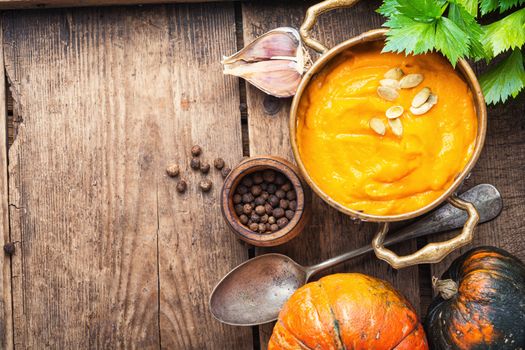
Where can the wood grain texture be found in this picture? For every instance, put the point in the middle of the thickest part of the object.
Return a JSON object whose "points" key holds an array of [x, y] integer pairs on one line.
{"points": [[502, 163], [6, 314], [330, 232], [27, 4], [108, 98]]}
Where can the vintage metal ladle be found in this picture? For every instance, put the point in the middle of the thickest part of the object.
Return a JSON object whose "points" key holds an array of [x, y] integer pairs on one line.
{"points": [[254, 292]]}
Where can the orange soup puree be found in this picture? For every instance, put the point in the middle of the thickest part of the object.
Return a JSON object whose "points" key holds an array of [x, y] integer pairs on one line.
{"points": [[384, 175]]}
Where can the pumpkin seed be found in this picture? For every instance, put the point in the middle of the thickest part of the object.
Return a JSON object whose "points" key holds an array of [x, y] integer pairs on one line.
{"points": [[390, 83], [394, 73], [432, 99], [378, 126], [387, 93], [394, 112], [421, 97], [410, 81], [396, 126], [425, 107]]}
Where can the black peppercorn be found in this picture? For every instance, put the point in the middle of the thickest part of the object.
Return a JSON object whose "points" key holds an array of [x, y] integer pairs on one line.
{"points": [[205, 168], [269, 176], [259, 201], [290, 195], [293, 205], [241, 189], [205, 185], [247, 209], [195, 163], [237, 198], [264, 218], [271, 220], [196, 150], [264, 186], [181, 186], [255, 218], [283, 203], [243, 219], [268, 208], [271, 188], [260, 210], [278, 213], [268, 227], [280, 179], [265, 195], [273, 200], [225, 171], [254, 227], [239, 209], [282, 222], [286, 187], [280, 194], [256, 190], [247, 181], [289, 214], [173, 170], [218, 163], [274, 227], [9, 248], [247, 198], [257, 178], [262, 228]]}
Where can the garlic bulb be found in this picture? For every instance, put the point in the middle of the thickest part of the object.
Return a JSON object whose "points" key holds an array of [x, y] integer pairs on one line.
{"points": [[274, 62]]}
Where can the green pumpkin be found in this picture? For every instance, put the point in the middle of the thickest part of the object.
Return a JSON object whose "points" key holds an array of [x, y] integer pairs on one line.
{"points": [[481, 303]]}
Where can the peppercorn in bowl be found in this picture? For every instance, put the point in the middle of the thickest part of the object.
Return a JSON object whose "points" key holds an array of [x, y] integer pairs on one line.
{"points": [[264, 201]]}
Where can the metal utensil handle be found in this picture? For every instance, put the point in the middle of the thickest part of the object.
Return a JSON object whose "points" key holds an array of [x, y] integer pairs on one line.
{"points": [[311, 18], [486, 198], [432, 252]]}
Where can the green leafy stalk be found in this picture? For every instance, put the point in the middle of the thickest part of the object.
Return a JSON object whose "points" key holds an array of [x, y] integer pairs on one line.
{"points": [[452, 28]]}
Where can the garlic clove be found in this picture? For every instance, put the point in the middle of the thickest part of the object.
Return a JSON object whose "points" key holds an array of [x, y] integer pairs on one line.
{"points": [[279, 42], [278, 78], [274, 62]]}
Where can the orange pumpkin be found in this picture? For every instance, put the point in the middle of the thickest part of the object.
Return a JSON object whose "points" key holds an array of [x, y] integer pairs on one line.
{"points": [[347, 311]]}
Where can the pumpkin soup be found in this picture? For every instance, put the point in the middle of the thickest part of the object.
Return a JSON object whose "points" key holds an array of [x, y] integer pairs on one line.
{"points": [[386, 133]]}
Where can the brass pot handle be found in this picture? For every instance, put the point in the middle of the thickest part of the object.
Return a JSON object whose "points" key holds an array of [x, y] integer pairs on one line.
{"points": [[432, 252], [311, 18]]}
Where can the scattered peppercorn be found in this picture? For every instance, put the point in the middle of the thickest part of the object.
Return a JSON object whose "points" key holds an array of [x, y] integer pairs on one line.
{"points": [[225, 171], [9, 248], [267, 201], [195, 163], [218, 163], [205, 185], [173, 170], [196, 150], [205, 168], [181, 186]]}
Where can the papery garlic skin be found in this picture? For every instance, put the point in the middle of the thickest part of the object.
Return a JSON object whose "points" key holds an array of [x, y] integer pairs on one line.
{"points": [[274, 62]]}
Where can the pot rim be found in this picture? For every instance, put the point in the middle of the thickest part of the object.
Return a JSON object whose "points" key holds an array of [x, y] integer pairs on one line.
{"points": [[375, 35]]}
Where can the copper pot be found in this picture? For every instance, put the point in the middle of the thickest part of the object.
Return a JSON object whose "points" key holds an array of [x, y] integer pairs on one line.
{"points": [[433, 252]]}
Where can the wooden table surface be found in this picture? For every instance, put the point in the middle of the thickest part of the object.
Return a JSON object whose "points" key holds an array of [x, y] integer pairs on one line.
{"points": [[108, 254]]}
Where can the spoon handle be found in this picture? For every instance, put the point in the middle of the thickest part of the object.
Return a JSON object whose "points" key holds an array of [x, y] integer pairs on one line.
{"points": [[485, 198]]}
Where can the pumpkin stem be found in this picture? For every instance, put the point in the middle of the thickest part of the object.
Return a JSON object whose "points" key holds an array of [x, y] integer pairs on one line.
{"points": [[446, 288]]}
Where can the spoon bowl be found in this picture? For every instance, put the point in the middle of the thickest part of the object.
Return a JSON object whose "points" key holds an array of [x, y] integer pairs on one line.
{"points": [[254, 292]]}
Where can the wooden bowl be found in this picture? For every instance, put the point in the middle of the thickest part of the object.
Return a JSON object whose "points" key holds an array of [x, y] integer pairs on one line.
{"points": [[298, 221]]}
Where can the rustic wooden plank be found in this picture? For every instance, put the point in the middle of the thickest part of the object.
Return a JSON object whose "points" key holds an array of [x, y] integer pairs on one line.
{"points": [[27, 4], [502, 163], [329, 233], [107, 98], [6, 314]]}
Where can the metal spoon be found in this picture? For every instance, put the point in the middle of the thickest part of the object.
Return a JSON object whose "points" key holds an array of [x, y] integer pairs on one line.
{"points": [[254, 292]]}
